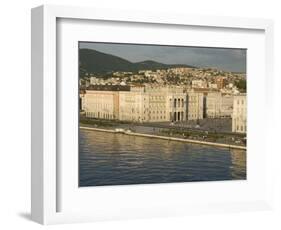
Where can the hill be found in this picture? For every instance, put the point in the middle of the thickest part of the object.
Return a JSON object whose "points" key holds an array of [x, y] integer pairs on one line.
{"points": [[95, 62]]}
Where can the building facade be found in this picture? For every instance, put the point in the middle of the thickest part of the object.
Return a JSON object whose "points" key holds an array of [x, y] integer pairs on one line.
{"points": [[221, 82], [219, 105], [152, 104], [140, 104], [131, 106], [199, 84], [155, 104], [176, 106], [101, 104], [239, 116], [226, 105], [195, 105], [213, 104]]}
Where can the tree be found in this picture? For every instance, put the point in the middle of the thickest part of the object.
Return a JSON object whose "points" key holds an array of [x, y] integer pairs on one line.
{"points": [[241, 84]]}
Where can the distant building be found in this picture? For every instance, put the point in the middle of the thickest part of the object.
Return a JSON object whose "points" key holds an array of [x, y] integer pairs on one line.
{"points": [[195, 105], [230, 85], [199, 84], [94, 80], [176, 106], [219, 105], [221, 82], [239, 116], [101, 104], [166, 103], [131, 106], [226, 105], [140, 104], [213, 86], [213, 104]]}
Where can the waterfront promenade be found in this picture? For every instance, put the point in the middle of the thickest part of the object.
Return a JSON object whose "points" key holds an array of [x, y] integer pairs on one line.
{"points": [[128, 132]]}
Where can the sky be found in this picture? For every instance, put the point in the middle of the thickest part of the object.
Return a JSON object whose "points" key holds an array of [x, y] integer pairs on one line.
{"points": [[227, 59]]}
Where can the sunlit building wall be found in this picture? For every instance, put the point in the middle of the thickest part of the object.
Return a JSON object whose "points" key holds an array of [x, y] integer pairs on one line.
{"points": [[131, 106], [101, 104], [239, 116], [213, 105], [195, 105], [226, 105], [151, 104], [219, 105]]}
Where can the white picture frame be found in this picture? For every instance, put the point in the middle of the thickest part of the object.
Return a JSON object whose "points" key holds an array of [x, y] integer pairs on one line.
{"points": [[45, 90]]}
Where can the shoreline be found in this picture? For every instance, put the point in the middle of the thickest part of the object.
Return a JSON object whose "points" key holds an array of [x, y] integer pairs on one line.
{"points": [[165, 138]]}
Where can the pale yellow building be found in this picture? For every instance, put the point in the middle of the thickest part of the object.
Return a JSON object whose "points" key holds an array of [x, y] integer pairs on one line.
{"points": [[195, 105], [219, 105], [140, 104], [166, 103], [152, 104], [101, 104], [213, 104], [239, 115], [199, 84], [226, 105], [176, 106], [131, 106]]}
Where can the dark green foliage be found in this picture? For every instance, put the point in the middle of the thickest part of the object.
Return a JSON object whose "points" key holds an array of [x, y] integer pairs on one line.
{"points": [[241, 84]]}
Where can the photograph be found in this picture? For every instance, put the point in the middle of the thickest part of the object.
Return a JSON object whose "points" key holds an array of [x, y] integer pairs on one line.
{"points": [[154, 113]]}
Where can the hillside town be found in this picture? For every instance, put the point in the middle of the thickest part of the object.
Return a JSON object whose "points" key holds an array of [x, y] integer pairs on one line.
{"points": [[187, 77], [204, 97]]}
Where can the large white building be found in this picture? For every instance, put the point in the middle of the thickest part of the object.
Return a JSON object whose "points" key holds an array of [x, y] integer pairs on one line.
{"points": [[101, 104], [239, 116], [195, 105], [176, 106], [140, 104], [131, 106], [156, 104], [213, 104], [226, 105], [218, 105]]}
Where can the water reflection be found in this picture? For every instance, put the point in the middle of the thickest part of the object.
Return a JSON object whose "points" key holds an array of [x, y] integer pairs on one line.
{"points": [[115, 159], [238, 159]]}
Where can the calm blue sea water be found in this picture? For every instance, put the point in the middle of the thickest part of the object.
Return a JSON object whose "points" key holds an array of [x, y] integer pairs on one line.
{"points": [[118, 159]]}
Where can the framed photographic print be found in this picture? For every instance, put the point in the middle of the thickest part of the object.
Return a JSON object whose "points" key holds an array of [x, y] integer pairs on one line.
{"points": [[140, 114]]}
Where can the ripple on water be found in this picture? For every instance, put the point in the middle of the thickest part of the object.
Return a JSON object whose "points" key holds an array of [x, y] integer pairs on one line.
{"points": [[117, 159]]}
